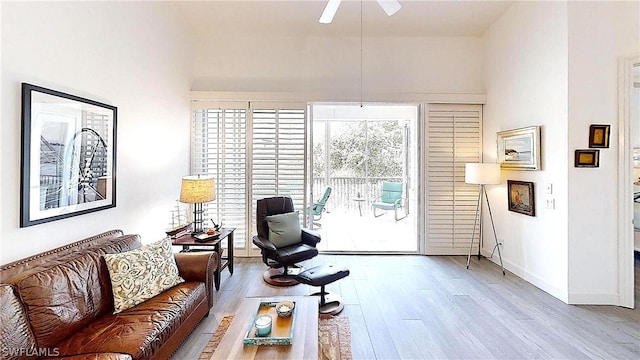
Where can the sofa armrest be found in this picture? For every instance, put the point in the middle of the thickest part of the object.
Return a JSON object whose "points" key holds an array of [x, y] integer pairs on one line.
{"points": [[199, 266], [94, 356]]}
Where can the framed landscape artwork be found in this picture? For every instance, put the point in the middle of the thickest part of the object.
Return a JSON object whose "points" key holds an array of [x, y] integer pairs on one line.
{"points": [[520, 197], [68, 155], [519, 149]]}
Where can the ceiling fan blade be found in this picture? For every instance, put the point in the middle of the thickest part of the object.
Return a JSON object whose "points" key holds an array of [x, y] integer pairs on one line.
{"points": [[389, 6], [330, 11]]}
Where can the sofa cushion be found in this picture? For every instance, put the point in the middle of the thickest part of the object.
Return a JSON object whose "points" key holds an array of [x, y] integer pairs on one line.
{"points": [[284, 229], [141, 274], [63, 298], [141, 330], [16, 338]]}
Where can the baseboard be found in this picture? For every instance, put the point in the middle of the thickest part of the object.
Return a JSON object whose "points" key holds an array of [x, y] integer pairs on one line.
{"points": [[538, 282], [594, 299], [560, 294]]}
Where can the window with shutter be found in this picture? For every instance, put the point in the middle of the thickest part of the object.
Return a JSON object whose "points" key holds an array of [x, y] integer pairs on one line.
{"points": [[453, 138], [257, 150], [261, 144], [218, 148], [278, 156]]}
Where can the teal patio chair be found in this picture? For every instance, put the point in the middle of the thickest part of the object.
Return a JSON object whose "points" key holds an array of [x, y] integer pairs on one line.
{"points": [[391, 199], [318, 207]]}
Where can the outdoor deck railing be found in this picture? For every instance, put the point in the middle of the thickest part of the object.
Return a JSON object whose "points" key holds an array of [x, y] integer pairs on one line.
{"points": [[345, 189]]}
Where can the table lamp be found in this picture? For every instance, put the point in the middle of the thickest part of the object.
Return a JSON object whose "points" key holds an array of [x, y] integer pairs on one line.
{"points": [[483, 174], [197, 190]]}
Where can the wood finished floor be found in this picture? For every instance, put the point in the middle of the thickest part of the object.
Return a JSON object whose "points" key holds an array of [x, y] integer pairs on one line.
{"points": [[419, 307]]}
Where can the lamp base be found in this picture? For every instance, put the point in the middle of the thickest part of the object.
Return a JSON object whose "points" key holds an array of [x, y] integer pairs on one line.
{"points": [[479, 210]]}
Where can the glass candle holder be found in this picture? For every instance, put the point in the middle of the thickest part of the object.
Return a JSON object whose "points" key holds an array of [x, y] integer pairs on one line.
{"points": [[263, 325]]}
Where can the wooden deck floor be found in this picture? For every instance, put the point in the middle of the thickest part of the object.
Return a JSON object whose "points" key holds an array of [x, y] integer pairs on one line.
{"points": [[432, 307]]}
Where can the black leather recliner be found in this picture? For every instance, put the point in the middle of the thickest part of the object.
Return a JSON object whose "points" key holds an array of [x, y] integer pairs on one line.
{"points": [[286, 257]]}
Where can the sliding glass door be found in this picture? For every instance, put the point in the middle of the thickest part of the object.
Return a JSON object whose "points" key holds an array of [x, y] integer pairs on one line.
{"points": [[359, 152], [368, 156]]}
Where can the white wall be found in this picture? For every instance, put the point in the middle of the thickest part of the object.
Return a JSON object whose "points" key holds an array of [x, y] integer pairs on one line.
{"points": [[330, 66], [599, 34], [134, 56], [635, 123], [555, 65], [526, 85]]}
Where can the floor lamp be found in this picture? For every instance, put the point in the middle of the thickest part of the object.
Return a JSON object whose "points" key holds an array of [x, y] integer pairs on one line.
{"points": [[483, 174]]}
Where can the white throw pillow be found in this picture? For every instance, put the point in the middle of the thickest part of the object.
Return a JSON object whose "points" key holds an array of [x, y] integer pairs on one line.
{"points": [[141, 274], [284, 229]]}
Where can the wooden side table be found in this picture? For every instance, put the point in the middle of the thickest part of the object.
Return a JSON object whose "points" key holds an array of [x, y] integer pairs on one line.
{"points": [[187, 241]]}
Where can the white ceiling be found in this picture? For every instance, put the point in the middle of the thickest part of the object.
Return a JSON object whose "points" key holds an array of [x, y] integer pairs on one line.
{"points": [[416, 18]]}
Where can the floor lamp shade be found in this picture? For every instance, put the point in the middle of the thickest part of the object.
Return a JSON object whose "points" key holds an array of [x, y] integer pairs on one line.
{"points": [[482, 174], [197, 190]]}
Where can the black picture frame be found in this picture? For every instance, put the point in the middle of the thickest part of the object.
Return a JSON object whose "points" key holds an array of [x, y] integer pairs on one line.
{"points": [[521, 197], [599, 136], [68, 156], [587, 158]]}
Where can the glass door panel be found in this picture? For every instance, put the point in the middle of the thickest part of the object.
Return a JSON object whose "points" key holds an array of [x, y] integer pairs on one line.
{"points": [[356, 149]]}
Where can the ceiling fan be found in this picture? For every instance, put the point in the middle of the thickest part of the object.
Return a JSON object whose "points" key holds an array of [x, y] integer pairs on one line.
{"points": [[389, 6]]}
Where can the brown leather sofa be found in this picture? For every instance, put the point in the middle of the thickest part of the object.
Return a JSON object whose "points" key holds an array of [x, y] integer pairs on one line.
{"points": [[59, 304]]}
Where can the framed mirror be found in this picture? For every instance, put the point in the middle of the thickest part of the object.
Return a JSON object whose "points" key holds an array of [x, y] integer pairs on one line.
{"points": [[68, 158]]}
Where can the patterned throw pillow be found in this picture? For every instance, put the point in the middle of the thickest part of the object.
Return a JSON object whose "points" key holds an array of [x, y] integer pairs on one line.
{"points": [[141, 274]]}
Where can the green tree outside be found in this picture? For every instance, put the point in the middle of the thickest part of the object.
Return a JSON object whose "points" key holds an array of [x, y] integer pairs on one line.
{"points": [[362, 149]]}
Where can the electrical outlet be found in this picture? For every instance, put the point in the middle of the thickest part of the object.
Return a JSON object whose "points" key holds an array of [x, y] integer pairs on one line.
{"points": [[549, 203]]}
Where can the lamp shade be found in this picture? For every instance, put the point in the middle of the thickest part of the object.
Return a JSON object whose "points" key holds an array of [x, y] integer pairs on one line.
{"points": [[482, 174], [197, 189]]}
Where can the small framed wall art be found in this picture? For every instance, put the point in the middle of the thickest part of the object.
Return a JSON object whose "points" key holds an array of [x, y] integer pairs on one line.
{"points": [[520, 197], [519, 149], [587, 158], [599, 136]]}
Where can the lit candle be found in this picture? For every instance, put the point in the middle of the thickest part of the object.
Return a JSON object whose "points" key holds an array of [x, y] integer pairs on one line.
{"points": [[263, 325]]}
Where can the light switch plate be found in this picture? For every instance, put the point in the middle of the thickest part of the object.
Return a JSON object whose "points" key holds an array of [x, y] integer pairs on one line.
{"points": [[548, 188]]}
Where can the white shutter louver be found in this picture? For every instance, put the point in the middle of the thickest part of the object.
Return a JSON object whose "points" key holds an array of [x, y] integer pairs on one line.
{"points": [[454, 138], [278, 154], [218, 148]]}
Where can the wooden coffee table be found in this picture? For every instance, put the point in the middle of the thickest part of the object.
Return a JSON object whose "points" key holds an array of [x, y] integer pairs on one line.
{"points": [[305, 333]]}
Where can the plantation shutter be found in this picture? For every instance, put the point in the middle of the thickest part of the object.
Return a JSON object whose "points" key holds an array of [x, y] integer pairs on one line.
{"points": [[218, 148], [253, 150], [454, 138], [278, 152]]}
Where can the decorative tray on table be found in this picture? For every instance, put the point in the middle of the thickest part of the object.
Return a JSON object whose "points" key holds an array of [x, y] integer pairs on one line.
{"points": [[281, 327], [204, 237]]}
